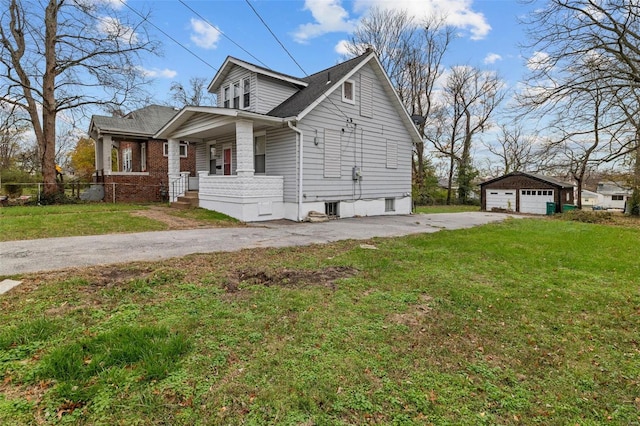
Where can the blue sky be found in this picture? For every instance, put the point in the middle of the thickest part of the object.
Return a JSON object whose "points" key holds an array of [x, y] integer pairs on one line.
{"points": [[312, 30]]}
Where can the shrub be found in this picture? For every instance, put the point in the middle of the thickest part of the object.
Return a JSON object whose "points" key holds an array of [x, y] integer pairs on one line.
{"points": [[587, 216]]}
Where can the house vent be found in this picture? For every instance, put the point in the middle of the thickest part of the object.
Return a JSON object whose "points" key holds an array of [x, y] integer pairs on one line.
{"points": [[331, 209]]}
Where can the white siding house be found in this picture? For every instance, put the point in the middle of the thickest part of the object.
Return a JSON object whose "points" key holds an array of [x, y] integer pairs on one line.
{"points": [[276, 146]]}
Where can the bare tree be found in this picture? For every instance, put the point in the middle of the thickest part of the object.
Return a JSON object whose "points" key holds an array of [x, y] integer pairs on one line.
{"points": [[411, 53], [515, 149], [12, 129], [195, 94], [470, 98], [60, 56], [605, 36]]}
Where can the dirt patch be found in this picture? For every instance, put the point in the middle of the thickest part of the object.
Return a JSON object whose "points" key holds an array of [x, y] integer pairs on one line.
{"points": [[415, 316], [163, 214], [288, 277]]}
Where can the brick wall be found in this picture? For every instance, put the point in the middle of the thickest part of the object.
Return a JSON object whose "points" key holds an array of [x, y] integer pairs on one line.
{"points": [[145, 188]]}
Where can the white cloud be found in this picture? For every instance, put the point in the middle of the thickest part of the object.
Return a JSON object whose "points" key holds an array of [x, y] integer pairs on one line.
{"points": [[204, 35], [114, 28], [329, 16], [457, 13], [341, 48], [112, 4], [538, 62], [155, 72], [492, 58]]}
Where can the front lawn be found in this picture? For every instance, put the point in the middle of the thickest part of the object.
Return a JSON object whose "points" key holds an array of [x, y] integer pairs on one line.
{"points": [[523, 322], [31, 222]]}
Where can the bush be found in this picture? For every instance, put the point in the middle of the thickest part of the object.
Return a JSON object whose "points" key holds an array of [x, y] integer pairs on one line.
{"points": [[587, 216]]}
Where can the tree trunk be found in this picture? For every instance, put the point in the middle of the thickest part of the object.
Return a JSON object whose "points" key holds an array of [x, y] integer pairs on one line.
{"points": [[47, 142]]}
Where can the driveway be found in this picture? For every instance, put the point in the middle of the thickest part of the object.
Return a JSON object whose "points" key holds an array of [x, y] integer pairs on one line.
{"points": [[18, 257]]}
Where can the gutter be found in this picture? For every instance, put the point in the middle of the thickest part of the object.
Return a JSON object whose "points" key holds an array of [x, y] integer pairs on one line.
{"points": [[300, 162]]}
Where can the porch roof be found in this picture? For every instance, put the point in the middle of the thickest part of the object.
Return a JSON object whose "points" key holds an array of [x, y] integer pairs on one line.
{"points": [[199, 123]]}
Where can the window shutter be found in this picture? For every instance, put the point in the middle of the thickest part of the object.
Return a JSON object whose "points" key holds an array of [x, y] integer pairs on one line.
{"points": [[392, 154], [331, 153], [366, 96]]}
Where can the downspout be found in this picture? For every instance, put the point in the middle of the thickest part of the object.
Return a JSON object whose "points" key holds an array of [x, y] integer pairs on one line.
{"points": [[300, 162]]}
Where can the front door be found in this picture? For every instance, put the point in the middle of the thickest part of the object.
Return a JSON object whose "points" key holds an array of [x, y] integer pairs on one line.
{"points": [[227, 161]]}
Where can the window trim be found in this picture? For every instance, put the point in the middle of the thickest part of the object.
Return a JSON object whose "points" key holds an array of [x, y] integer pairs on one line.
{"points": [[165, 149], [353, 92]]}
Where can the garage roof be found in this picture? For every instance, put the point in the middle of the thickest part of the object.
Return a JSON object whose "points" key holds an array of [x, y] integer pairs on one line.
{"points": [[541, 178]]}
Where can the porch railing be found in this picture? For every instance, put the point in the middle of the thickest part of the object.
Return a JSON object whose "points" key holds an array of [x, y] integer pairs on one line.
{"points": [[178, 185]]}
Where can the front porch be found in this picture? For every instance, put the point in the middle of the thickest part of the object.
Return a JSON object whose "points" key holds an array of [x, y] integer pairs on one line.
{"points": [[230, 162]]}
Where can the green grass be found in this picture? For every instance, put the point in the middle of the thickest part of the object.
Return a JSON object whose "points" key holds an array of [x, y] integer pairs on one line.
{"points": [[31, 222], [447, 209], [522, 322]]}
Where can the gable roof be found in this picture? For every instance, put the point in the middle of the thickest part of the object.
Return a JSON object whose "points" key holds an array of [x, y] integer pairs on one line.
{"points": [[230, 62], [318, 84], [535, 176], [141, 122], [613, 188]]}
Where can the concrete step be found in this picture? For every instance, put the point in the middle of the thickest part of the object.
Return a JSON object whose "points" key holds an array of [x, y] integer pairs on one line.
{"points": [[183, 205], [187, 201]]}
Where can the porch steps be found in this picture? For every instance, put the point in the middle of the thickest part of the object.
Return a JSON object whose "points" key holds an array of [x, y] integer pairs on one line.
{"points": [[187, 201]]}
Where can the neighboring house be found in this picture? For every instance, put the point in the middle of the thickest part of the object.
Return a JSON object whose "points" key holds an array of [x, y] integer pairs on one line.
{"points": [[614, 194], [590, 198], [337, 142], [525, 193], [130, 160]]}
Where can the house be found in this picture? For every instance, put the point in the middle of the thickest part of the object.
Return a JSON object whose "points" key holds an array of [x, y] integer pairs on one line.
{"points": [[614, 194], [590, 198], [278, 147], [129, 160], [525, 193]]}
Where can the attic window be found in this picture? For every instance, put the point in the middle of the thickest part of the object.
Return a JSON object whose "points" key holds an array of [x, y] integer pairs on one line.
{"points": [[226, 96], [236, 95], [348, 92]]}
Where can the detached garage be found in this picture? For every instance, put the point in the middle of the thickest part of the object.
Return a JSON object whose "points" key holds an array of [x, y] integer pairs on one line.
{"points": [[525, 193]]}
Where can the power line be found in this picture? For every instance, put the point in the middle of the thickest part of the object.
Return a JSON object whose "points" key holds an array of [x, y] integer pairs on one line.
{"points": [[276, 37], [144, 18], [222, 33]]}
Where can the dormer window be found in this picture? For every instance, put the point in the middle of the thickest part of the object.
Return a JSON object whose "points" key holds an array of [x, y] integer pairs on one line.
{"points": [[348, 92], [246, 93], [226, 96], [236, 95]]}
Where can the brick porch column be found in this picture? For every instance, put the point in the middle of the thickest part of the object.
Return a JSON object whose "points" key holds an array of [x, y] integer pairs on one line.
{"points": [[244, 148]]}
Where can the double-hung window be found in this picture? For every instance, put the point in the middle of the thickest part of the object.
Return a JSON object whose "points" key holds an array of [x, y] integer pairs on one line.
{"points": [[236, 95], [246, 93], [259, 151], [226, 96]]}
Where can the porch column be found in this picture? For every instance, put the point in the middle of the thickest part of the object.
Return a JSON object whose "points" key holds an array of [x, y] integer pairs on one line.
{"points": [[244, 148], [173, 157], [99, 162], [107, 145]]}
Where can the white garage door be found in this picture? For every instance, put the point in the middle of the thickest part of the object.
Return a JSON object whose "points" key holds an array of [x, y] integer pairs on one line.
{"points": [[535, 200], [504, 199]]}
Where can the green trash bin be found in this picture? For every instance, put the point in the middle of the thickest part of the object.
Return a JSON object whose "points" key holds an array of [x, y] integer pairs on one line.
{"points": [[568, 207], [551, 208]]}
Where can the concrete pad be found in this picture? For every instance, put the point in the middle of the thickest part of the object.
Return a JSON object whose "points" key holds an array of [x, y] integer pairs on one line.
{"points": [[6, 285]]}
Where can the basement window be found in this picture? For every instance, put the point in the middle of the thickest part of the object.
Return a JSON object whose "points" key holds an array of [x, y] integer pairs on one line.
{"points": [[389, 204], [331, 209]]}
